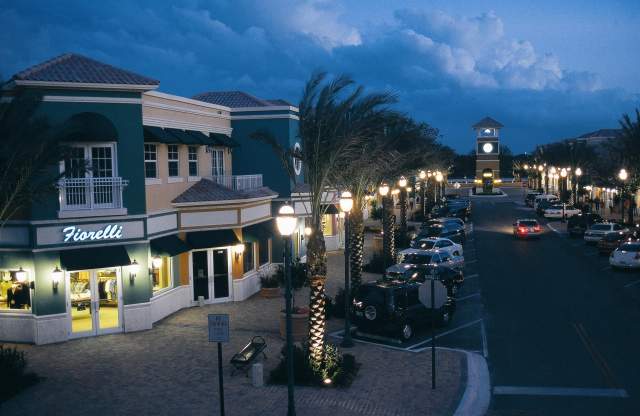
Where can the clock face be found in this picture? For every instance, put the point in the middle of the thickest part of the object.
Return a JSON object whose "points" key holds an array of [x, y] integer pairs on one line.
{"points": [[297, 163], [487, 148]]}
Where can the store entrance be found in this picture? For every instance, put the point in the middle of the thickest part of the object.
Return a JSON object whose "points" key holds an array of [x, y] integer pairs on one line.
{"points": [[94, 302], [210, 274]]}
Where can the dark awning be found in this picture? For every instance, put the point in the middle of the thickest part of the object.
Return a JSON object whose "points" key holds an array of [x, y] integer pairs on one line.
{"points": [[183, 136], [170, 245], [258, 232], [88, 127], [223, 140], [94, 258], [158, 135], [200, 137], [208, 239]]}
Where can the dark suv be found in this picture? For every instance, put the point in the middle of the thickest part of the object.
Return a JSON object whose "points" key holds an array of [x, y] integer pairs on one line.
{"points": [[392, 306], [452, 231], [578, 224]]}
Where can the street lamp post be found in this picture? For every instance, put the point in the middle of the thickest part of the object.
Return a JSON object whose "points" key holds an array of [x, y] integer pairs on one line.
{"points": [[540, 170], [423, 176], [388, 243], [623, 176], [439, 179], [286, 222], [577, 173], [402, 183], [346, 203], [563, 192]]}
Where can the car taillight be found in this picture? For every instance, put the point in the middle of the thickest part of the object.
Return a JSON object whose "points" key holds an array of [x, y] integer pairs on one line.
{"points": [[522, 229], [537, 228]]}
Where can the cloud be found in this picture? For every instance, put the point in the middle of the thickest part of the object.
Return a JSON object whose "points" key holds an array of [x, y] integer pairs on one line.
{"points": [[447, 70]]}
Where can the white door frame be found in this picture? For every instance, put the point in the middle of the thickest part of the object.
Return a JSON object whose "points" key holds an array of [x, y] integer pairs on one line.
{"points": [[210, 285], [95, 304]]}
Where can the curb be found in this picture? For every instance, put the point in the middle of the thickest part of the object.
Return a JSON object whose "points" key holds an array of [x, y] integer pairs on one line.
{"points": [[477, 394]]}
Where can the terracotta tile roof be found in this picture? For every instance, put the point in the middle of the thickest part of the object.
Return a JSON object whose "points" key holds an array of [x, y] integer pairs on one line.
{"points": [[237, 99], [75, 68], [487, 122], [207, 190]]}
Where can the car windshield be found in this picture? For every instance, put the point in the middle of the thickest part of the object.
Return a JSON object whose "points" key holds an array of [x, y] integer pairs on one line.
{"points": [[555, 207], [528, 223], [417, 259], [613, 237], [632, 247], [601, 227], [434, 230], [426, 244]]}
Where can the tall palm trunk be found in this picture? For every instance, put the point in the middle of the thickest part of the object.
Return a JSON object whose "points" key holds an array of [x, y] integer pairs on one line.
{"points": [[389, 228], [356, 246], [317, 263]]}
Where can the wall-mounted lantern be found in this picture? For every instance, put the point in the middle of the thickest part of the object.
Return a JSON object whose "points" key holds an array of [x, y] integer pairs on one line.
{"points": [[56, 276]]}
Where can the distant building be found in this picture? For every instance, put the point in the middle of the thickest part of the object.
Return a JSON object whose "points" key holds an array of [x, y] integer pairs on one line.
{"points": [[487, 152]]}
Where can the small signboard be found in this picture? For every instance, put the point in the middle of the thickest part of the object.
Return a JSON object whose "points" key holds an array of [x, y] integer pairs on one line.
{"points": [[424, 293], [218, 328]]}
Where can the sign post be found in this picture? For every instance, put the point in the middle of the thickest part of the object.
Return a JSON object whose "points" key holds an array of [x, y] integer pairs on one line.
{"points": [[219, 332], [433, 295]]}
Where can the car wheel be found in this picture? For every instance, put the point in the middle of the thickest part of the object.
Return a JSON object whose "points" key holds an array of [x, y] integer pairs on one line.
{"points": [[406, 332]]}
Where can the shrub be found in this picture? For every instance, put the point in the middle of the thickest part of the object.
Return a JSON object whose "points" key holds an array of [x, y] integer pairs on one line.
{"points": [[14, 378], [376, 265], [376, 213], [269, 281], [340, 369]]}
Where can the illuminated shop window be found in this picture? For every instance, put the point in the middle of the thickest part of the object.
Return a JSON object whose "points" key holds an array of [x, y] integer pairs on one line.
{"points": [[15, 292], [161, 273]]}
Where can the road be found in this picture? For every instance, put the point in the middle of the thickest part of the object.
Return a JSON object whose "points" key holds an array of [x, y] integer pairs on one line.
{"points": [[562, 328]]}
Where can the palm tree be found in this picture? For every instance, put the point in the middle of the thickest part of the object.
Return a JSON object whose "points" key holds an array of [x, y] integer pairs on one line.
{"points": [[628, 149], [29, 155], [336, 118]]}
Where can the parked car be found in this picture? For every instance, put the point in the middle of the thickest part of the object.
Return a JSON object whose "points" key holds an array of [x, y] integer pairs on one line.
{"points": [[627, 256], [526, 228], [544, 197], [597, 231], [578, 224], [443, 220], [611, 241], [416, 257], [453, 232], [529, 198], [450, 277], [556, 211], [442, 244], [393, 307], [544, 204]]}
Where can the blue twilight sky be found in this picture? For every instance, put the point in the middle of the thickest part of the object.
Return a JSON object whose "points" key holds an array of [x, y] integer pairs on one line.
{"points": [[546, 69]]}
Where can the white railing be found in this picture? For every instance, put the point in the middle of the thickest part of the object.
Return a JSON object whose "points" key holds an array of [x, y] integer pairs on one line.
{"points": [[238, 182], [91, 193]]}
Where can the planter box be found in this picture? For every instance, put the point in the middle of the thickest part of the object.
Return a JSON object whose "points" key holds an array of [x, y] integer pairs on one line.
{"points": [[270, 292], [299, 326]]}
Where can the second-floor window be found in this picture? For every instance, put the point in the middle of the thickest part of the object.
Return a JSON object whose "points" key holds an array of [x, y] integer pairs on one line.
{"points": [[172, 157], [217, 160], [150, 161], [193, 160]]}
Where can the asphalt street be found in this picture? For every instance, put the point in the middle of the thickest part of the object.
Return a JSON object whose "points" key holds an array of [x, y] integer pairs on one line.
{"points": [[562, 328]]}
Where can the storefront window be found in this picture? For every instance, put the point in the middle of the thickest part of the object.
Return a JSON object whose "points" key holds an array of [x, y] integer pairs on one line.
{"points": [[172, 157], [247, 257], [150, 161], [13, 293], [263, 249], [161, 273], [193, 161]]}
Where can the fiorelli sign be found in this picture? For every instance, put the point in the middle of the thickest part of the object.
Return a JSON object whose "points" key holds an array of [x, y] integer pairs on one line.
{"points": [[108, 232]]}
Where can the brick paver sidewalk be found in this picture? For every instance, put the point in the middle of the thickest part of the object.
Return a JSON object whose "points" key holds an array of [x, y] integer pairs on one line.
{"points": [[172, 370]]}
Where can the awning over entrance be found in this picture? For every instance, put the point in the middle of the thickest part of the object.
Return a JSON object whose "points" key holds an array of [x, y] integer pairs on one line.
{"points": [[223, 140], [183, 136], [331, 209], [170, 245], [256, 232], [153, 134], [94, 258], [207, 239], [88, 127]]}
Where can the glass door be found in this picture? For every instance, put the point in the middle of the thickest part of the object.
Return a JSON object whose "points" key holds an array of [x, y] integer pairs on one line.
{"points": [[220, 274], [200, 273], [94, 302], [102, 172]]}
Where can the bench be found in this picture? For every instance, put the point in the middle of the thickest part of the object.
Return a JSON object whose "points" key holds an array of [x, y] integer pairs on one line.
{"points": [[243, 359]]}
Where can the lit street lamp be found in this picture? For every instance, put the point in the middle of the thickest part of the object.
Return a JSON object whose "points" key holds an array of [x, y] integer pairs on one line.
{"points": [[576, 184], [439, 179], [623, 176], [423, 177], [402, 183], [346, 203], [286, 222]]}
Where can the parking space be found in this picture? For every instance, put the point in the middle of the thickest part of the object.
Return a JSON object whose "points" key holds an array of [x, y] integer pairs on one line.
{"points": [[466, 329]]}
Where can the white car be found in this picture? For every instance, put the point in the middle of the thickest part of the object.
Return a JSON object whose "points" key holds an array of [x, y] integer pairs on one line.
{"points": [[437, 243], [627, 256], [555, 211], [597, 231], [545, 197], [415, 257]]}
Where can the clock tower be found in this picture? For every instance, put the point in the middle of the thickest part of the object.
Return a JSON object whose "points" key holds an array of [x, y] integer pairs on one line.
{"points": [[487, 152]]}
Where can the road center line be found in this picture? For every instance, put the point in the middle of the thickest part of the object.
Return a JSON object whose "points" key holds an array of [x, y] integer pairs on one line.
{"points": [[485, 345], [468, 296], [558, 391], [473, 276], [596, 355], [632, 283]]}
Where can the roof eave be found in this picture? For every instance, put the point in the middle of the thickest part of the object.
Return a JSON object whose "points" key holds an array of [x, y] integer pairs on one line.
{"points": [[85, 85], [224, 202]]}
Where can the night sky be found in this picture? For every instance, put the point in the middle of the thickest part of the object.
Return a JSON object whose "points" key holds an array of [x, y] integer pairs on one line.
{"points": [[556, 70]]}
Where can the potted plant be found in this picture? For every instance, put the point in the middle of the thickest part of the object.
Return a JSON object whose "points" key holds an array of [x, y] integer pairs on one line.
{"points": [[299, 315], [269, 285]]}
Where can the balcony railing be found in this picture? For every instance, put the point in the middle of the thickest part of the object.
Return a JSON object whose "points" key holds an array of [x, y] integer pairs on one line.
{"points": [[91, 193], [238, 182]]}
